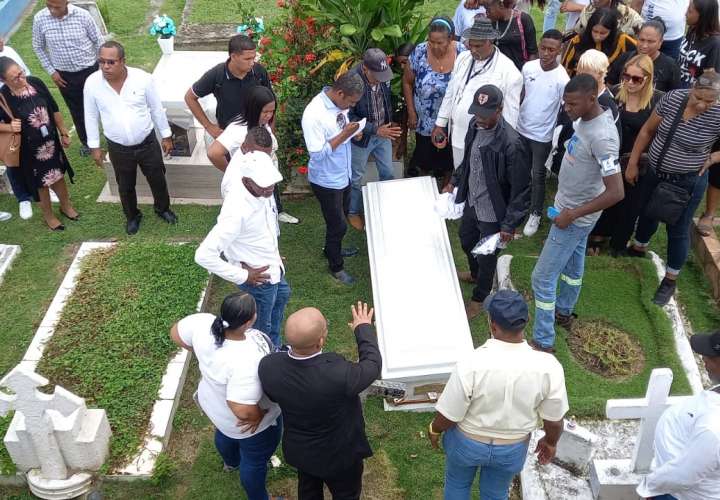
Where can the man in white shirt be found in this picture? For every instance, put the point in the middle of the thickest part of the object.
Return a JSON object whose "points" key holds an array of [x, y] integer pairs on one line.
{"points": [[494, 400], [687, 439], [481, 65], [242, 248], [544, 82], [125, 100]]}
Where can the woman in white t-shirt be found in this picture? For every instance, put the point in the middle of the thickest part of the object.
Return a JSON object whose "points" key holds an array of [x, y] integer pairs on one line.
{"points": [[248, 425], [260, 105]]}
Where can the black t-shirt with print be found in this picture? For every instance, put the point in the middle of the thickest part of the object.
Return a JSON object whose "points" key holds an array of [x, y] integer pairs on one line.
{"points": [[511, 43], [696, 56]]}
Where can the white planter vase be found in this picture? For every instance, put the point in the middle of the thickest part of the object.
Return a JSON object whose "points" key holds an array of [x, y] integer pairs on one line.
{"points": [[167, 45]]}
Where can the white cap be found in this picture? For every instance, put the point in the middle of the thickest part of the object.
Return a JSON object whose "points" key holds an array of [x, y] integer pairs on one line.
{"points": [[259, 167]]}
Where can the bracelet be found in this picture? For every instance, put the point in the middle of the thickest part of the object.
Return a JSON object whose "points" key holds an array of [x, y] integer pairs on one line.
{"points": [[431, 431]]}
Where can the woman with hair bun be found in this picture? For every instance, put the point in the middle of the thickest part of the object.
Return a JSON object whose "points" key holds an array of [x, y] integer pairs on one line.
{"points": [[247, 424]]}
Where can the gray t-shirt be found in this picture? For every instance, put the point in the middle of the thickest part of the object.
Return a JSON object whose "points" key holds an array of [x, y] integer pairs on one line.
{"points": [[591, 154], [478, 194]]}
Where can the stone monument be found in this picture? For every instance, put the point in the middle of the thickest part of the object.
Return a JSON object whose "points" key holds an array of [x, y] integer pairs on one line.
{"points": [[53, 438], [92, 7]]}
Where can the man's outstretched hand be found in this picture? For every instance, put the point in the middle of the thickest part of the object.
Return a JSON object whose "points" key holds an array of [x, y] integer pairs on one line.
{"points": [[361, 315]]}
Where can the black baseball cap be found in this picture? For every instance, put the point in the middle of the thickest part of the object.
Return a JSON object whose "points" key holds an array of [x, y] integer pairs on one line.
{"points": [[707, 344], [375, 61], [487, 101], [508, 309]]}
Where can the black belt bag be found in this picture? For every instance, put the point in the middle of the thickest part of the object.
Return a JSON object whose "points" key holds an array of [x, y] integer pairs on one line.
{"points": [[668, 201]]}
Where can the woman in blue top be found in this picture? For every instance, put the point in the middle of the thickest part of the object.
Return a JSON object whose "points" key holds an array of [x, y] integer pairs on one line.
{"points": [[425, 81]]}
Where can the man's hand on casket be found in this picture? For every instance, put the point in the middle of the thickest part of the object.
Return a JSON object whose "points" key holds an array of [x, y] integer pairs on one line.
{"points": [[167, 145], [360, 315]]}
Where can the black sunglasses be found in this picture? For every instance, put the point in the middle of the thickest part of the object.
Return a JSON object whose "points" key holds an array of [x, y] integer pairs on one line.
{"points": [[633, 78]]}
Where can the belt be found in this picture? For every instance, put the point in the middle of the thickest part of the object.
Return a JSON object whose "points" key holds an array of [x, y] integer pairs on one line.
{"points": [[669, 176], [148, 140], [492, 440]]}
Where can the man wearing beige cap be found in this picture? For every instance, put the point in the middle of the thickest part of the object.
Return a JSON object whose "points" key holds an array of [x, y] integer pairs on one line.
{"points": [[243, 246]]}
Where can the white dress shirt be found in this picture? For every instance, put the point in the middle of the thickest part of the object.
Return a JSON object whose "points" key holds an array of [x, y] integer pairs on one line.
{"points": [[246, 232], [127, 117], [500, 71], [687, 451]]}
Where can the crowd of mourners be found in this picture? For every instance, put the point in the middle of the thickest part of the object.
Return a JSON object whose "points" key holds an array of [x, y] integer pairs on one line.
{"points": [[622, 105]]}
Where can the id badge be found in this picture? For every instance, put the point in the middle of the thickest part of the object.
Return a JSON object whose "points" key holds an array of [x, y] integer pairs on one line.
{"points": [[44, 131]]}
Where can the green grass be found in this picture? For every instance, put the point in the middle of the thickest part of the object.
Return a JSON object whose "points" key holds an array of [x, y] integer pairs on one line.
{"points": [[111, 344], [226, 11]]}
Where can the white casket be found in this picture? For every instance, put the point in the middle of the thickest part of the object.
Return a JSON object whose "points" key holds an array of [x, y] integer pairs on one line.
{"points": [[419, 312]]}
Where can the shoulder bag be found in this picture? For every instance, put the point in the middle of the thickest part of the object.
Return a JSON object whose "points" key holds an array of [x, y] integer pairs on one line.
{"points": [[9, 141], [668, 201]]}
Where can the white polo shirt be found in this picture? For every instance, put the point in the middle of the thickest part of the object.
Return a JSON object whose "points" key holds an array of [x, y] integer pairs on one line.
{"points": [[502, 389]]}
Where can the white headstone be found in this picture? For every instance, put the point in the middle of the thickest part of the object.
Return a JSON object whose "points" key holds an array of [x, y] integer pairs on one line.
{"points": [[55, 433], [617, 479], [92, 8], [8, 254]]}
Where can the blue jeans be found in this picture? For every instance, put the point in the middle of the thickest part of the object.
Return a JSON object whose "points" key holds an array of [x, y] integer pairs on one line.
{"points": [[678, 234], [271, 300], [563, 258], [381, 149], [552, 8], [664, 497], [498, 465], [17, 182], [672, 48], [251, 456]]}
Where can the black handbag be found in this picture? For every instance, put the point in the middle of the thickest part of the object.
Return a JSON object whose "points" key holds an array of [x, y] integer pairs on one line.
{"points": [[668, 201]]}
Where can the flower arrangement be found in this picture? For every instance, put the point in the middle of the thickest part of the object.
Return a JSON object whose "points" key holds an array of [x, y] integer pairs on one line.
{"points": [[252, 26], [163, 26]]}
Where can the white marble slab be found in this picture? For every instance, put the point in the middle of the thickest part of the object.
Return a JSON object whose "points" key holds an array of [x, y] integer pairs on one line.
{"points": [[419, 312], [8, 254]]}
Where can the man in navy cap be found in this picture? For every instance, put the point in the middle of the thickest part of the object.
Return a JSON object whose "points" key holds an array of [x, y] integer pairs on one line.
{"points": [[687, 438], [494, 400], [494, 184], [377, 136]]}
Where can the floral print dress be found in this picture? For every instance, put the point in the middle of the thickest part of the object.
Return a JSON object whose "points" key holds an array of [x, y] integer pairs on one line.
{"points": [[430, 87], [42, 159]]}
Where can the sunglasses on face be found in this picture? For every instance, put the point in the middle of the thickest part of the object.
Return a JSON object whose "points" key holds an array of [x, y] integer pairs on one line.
{"points": [[633, 78], [108, 62]]}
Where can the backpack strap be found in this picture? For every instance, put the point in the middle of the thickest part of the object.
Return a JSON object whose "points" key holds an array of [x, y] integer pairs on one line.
{"points": [[522, 34]]}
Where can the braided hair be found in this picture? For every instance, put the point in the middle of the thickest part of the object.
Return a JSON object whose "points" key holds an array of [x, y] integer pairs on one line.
{"points": [[237, 309]]}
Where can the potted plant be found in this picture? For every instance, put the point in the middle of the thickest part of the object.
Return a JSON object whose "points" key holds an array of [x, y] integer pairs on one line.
{"points": [[164, 27]]}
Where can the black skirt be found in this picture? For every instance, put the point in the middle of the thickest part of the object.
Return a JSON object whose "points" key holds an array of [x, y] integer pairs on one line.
{"points": [[429, 158]]}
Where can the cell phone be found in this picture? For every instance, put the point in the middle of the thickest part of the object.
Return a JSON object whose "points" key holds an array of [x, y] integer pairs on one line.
{"points": [[552, 212]]}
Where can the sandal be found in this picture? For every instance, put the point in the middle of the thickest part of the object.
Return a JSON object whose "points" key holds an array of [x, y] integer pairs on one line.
{"points": [[76, 218], [705, 228]]}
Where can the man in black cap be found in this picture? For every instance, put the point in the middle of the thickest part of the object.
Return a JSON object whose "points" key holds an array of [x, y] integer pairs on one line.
{"points": [[687, 438], [493, 183], [494, 400], [376, 138]]}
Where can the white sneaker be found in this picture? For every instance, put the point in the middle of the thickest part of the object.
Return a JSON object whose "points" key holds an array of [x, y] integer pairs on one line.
{"points": [[5, 216], [53, 197], [287, 218], [532, 225], [26, 209]]}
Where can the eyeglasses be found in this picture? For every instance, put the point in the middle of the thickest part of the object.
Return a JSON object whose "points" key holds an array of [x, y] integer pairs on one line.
{"points": [[109, 62], [633, 78]]}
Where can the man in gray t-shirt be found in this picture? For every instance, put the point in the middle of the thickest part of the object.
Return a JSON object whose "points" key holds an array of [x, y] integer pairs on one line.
{"points": [[590, 181]]}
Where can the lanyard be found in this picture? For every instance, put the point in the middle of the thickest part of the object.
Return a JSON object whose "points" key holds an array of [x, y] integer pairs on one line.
{"points": [[483, 69]]}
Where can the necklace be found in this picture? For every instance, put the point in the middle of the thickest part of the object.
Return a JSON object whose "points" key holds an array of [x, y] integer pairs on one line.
{"points": [[439, 61], [507, 28]]}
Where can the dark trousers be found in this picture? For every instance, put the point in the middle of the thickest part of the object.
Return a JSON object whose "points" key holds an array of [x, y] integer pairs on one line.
{"points": [[618, 221], [73, 95], [539, 152], [334, 204], [18, 184], [148, 156], [482, 267], [344, 486], [672, 48]]}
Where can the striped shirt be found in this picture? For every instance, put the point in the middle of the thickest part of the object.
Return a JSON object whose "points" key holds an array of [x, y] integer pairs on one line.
{"points": [[69, 43], [692, 141]]}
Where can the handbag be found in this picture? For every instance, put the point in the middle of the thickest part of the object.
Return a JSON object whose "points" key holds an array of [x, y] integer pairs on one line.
{"points": [[668, 201], [9, 141]]}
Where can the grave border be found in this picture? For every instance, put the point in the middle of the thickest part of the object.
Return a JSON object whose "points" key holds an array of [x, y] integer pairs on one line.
{"points": [[15, 251], [142, 464]]}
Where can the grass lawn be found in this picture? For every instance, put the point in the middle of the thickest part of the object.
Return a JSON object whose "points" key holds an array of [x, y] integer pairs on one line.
{"points": [[227, 11], [404, 465]]}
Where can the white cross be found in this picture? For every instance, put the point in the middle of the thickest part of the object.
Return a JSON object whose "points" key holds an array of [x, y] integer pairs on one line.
{"points": [[648, 410], [34, 406]]}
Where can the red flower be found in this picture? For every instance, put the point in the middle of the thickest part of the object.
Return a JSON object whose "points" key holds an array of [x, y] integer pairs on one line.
{"points": [[298, 22], [288, 36], [299, 151], [281, 4], [265, 41], [389, 60], [310, 58], [302, 170], [293, 78], [310, 21]]}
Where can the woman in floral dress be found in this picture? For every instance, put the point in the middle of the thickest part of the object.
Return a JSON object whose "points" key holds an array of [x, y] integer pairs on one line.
{"points": [[42, 160], [425, 81]]}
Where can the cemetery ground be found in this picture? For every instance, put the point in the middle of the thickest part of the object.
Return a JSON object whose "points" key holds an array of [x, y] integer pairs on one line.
{"points": [[616, 292]]}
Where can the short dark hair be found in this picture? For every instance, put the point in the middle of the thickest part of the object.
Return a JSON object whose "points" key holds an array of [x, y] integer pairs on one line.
{"points": [[112, 44], [552, 34], [260, 136], [5, 64], [240, 43], [349, 83], [708, 22], [657, 24], [405, 49], [582, 83]]}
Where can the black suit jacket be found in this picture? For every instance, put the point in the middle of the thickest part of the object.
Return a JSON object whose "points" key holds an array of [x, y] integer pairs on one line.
{"points": [[324, 429]]}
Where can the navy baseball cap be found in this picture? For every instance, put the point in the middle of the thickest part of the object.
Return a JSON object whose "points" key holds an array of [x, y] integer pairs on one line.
{"points": [[707, 344], [508, 309], [375, 61]]}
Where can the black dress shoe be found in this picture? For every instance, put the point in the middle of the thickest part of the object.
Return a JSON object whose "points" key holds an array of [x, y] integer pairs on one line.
{"points": [[168, 216], [664, 292], [133, 225]]}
